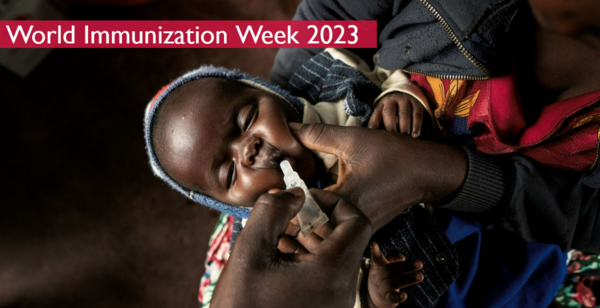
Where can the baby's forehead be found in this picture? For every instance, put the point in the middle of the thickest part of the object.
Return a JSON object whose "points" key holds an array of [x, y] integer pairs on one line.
{"points": [[204, 87], [197, 101], [200, 98]]}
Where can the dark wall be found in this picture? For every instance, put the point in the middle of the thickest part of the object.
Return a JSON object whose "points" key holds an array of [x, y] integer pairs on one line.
{"points": [[83, 222]]}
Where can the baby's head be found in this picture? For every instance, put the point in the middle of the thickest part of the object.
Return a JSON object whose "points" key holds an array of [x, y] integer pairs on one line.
{"points": [[218, 137]]}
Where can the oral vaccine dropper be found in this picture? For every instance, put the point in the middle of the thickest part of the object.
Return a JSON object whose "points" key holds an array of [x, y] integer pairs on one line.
{"points": [[310, 216]]}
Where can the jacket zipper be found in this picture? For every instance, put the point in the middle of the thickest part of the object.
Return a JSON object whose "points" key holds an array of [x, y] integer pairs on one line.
{"points": [[460, 46], [475, 62]]}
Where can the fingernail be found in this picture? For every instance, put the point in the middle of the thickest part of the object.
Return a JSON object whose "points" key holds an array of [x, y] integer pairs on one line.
{"points": [[294, 125], [416, 134], [273, 190], [403, 295], [418, 276], [418, 264]]}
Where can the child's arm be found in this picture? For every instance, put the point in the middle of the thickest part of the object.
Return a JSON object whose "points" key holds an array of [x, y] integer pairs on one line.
{"points": [[387, 276]]}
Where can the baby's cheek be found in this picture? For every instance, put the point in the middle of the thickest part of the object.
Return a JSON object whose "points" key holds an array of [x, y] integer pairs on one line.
{"points": [[307, 164]]}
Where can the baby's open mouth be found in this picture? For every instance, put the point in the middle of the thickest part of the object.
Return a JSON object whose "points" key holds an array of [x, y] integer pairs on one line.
{"points": [[270, 156]]}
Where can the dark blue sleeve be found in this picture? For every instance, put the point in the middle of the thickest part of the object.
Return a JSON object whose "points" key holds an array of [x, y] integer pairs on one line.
{"points": [[499, 269], [288, 60]]}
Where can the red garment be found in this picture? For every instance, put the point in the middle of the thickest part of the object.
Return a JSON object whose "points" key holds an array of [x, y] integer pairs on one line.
{"points": [[565, 136]]}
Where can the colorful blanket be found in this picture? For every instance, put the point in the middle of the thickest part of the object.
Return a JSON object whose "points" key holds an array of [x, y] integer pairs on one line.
{"points": [[579, 289], [217, 255]]}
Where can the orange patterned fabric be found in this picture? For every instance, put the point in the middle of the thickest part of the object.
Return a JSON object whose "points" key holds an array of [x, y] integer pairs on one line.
{"points": [[488, 115]]}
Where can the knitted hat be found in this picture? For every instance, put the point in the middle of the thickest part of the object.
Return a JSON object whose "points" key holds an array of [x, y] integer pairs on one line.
{"points": [[159, 98]]}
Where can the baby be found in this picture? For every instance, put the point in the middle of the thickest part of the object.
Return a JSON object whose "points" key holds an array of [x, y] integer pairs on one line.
{"points": [[218, 137]]}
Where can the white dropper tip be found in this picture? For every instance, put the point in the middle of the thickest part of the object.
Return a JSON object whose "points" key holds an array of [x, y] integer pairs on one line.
{"points": [[290, 177], [286, 167]]}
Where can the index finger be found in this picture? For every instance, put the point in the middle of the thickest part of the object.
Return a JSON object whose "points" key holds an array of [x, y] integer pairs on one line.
{"points": [[326, 138]]}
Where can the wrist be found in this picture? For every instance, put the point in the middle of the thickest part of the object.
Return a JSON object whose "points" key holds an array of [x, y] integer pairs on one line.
{"points": [[484, 186], [445, 176]]}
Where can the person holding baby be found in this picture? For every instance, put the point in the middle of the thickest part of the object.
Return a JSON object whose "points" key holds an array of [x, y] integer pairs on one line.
{"points": [[220, 135]]}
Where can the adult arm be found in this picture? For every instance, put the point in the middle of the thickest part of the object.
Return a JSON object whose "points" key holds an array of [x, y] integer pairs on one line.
{"points": [[259, 274], [538, 202]]}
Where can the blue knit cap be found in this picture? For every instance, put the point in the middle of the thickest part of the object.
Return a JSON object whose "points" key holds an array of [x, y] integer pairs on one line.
{"points": [[159, 98]]}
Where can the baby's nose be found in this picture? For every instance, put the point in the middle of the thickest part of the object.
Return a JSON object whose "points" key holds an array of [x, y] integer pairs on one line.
{"points": [[250, 150]]}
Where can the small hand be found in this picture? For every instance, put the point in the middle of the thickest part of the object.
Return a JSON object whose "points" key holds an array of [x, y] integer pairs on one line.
{"points": [[399, 110], [388, 275]]}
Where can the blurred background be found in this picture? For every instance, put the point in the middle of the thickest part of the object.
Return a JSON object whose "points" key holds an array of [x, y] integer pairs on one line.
{"points": [[83, 222]]}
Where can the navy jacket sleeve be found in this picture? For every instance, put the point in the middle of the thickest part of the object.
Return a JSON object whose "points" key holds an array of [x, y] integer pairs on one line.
{"points": [[288, 60], [539, 203]]}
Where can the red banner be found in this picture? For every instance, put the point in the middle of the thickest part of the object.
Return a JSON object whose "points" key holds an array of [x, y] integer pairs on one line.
{"points": [[187, 34]]}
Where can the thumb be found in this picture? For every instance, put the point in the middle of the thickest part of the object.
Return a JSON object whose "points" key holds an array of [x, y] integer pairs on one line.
{"points": [[332, 139], [269, 220], [377, 256]]}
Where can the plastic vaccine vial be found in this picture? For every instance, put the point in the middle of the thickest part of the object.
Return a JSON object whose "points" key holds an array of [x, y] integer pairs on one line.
{"points": [[310, 216]]}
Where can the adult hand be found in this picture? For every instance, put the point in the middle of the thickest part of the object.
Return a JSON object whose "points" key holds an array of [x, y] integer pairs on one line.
{"points": [[382, 172], [258, 274]]}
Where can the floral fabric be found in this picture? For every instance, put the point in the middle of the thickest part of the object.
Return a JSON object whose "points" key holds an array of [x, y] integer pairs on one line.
{"points": [[578, 289], [217, 255]]}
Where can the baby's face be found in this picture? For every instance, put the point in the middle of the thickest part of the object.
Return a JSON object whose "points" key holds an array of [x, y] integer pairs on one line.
{"points": [[226, 139]]}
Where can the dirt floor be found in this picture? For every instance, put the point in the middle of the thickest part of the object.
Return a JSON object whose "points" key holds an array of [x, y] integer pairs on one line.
{"points": [[83, 222]]}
